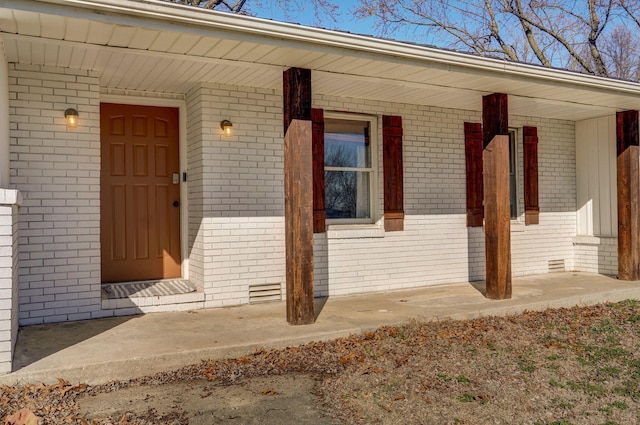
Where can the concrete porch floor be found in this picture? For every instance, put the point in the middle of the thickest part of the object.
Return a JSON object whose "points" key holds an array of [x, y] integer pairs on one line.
{"points": [[96, 351]]}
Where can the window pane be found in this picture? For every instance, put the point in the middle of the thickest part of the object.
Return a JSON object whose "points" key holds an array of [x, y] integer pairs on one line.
{"points": [[346, 144], [346, 194]]}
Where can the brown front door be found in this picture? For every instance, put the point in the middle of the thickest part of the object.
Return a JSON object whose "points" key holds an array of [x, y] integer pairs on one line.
{"points": [[139, 193]]}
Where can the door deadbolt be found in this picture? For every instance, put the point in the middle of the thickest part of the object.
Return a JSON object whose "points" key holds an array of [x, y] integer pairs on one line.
{"points": [[176, 204]]}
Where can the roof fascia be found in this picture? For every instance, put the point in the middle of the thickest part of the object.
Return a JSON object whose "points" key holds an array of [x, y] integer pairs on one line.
{"points": [[163, 16]]}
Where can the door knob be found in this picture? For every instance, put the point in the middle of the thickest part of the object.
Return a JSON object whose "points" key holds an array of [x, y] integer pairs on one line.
{"points": [[176, 204]]}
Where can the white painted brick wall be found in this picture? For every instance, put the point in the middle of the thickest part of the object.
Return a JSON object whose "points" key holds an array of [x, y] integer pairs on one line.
{"points": [[436, 247], [195, 166], [236, 199], [595, 254], [532, 247], [242, 251], [8, 284], [236, 187], [58, 171]]}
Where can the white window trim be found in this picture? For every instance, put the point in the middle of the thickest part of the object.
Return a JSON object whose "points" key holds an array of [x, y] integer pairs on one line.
{"points": [[373, 170]]}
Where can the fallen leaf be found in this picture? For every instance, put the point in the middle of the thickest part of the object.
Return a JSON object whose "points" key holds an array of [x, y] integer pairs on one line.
{"points": [[23, 416]]}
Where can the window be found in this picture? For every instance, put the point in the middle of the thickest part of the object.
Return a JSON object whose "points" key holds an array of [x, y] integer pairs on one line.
{"points": [[349, 172], [513, 172]]}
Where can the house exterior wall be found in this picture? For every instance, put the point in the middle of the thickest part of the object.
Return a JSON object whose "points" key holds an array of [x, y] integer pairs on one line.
{"points": [[435, 246], [4, 123], [596, 241], [9, 202], [236, 198], [545, 247], [58, 171], [596, 177], [242, 223], [237, 183]]}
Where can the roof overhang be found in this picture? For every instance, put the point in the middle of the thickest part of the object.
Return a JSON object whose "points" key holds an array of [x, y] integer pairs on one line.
{"points": [[153, 46]]}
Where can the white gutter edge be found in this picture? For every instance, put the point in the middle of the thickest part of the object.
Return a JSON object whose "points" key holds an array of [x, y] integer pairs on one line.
{"points": [[190, 15]]}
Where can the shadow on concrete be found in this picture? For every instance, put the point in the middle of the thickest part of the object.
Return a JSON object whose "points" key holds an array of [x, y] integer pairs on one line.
{"points": [[475, 254], [480, 286], [35, 346], [318, 305]]}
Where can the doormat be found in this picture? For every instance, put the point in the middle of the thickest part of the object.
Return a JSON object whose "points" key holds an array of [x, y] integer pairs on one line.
{"points": [[148, 288]]}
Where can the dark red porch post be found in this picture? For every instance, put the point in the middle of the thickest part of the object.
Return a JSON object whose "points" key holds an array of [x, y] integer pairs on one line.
{"points": [[628, 195], [298, 195], [531, 203], [497, 215]]}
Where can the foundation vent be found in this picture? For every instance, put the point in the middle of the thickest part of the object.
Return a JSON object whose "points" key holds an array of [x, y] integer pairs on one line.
{"points": [[264, 293], [556, 266]]}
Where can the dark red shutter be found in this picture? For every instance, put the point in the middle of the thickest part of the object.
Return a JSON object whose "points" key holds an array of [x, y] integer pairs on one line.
{"points": [[531, 206], [473, 156], [317, 137], [392, 173]]}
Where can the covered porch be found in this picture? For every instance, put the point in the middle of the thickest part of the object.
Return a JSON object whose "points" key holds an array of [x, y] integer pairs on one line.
{"points": [[211, 67], [95, 351]]}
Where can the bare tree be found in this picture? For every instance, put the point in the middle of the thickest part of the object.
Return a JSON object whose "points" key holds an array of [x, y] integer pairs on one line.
{"points": [[322, 9], [632, 9], [583, 35], [622, 50], [599, 37], [235, 7]]}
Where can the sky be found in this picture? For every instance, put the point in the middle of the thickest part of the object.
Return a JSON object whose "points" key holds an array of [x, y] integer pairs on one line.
{"points": [[345, 21]]}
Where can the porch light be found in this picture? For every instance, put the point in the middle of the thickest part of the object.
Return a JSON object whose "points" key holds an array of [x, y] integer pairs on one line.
{"points": [[227, 127], [71, 115]]}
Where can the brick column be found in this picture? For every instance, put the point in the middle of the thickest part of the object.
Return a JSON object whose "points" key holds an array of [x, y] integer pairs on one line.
{"points": [[10, 200]]}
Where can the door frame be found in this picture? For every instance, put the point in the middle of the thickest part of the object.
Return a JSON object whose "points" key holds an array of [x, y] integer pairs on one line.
{"points": [[181, 105]]}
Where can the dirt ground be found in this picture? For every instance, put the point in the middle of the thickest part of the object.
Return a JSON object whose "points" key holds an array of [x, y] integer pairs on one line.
{"points": [[260, 400], [557, 367]]}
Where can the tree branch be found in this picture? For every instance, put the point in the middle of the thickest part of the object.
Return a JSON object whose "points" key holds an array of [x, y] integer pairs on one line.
{"points": [[495, 32], [594, 33], [624, 6], [528, 32], [564, 42]]}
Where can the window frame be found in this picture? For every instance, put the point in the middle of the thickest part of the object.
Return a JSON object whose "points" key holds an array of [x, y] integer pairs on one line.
{"points": [[372, 170]]}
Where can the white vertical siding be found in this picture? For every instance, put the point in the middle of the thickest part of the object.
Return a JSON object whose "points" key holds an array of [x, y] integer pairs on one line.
{"points": [[596, 177]]}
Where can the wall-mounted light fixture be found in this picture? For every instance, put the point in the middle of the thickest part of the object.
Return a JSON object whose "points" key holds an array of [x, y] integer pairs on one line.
{"points": [[71, 115], [227, 127]]}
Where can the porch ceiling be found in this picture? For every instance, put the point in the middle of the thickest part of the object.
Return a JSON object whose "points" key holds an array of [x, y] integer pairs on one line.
{"points": [[155, 47]]}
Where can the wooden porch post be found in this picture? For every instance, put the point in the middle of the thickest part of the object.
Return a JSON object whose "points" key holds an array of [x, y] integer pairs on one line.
{"points": [[497, 215], [531, 204], [628, 195], [298, 195]]}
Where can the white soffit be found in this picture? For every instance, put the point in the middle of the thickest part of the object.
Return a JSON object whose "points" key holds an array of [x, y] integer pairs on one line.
{"points": [[153, 46]]}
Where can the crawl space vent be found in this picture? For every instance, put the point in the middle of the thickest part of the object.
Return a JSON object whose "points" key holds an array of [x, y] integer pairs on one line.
{"points": [[265, 293], [556, 266]]}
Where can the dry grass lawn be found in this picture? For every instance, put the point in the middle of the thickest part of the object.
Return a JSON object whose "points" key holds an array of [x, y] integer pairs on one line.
{"points": [[568, 366], [575, 366]]}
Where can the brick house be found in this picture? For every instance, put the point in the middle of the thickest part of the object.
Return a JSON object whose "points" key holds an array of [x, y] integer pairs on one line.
{"points": [[397, 199]]}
